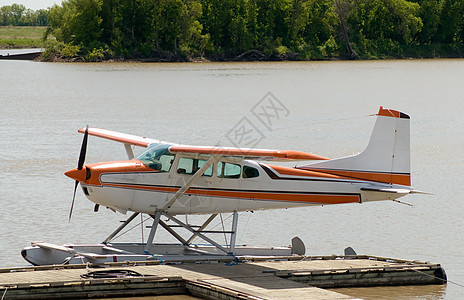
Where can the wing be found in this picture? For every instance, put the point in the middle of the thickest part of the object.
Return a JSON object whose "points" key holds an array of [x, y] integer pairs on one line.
{"points": [[243, 153], [247, 153], [124, 138]]}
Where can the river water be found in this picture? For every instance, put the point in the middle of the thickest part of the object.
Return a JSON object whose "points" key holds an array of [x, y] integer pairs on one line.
{"points": [[325, 108]]}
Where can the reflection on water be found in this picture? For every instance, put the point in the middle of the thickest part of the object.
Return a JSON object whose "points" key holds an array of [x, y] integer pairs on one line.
{"points": [[171, 297], [43, 105], [423, 292]]}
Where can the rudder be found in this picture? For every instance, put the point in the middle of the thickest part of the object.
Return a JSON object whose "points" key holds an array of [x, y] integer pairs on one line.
{"points": [[386, 157]]}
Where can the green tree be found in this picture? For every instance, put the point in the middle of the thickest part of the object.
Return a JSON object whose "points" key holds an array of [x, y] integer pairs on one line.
{"points": [[12, 14], [270, 23], [169, 22], [242, 26], [297, 19], [76, 21], [387, 20], [18, 15], [429, 13], [17, 11], [41, 17], [344, 9], [107, 25], [6, 15], [321, 23], [451, 21], [132, 25], [231, 24]]}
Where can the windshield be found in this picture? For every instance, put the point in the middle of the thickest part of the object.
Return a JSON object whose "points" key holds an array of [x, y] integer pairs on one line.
{"points": [[157, 157]]}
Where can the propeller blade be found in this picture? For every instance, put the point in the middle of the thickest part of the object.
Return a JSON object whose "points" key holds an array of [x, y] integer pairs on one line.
{"points": [[72, 203], [81, 161], [80, 165]]}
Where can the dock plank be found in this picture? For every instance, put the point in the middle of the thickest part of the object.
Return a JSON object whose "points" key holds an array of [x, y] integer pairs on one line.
{"points": [[250, 279], [279, 289]]}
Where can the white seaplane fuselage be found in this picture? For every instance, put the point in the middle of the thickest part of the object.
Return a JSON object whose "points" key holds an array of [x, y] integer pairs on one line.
{"points": [[141, 189], [231, 183]]}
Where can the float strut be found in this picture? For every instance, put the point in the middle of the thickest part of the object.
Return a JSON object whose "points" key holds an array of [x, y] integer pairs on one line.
{"points": [[156, 219], [211, 218], [121, 227], [195, 232], [233, 235]]}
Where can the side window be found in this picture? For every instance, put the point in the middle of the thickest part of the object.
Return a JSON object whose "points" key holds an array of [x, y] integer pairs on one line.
{"points": [[209, 171], [166, 162], [189, 166], [249, 172], [228, 170]]}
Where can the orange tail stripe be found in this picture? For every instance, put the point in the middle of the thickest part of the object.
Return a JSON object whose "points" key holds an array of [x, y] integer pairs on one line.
{"points": [[403, 179]]}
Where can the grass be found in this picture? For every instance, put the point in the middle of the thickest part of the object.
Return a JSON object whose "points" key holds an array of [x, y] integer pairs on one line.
{"points": [[22, 36]]}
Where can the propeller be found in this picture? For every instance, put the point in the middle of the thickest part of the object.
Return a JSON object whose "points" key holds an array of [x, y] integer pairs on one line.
{"points": [[80, 165]]}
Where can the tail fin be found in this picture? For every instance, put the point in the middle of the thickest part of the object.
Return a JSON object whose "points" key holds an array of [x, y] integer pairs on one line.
{"points": [[386, 157]]}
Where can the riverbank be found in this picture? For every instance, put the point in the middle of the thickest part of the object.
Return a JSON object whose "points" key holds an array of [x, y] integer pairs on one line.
{"points": [[422, 52], [19, 37]]}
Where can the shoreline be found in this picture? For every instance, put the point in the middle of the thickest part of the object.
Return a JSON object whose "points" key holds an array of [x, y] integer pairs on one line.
{"points": [[249, 56]]}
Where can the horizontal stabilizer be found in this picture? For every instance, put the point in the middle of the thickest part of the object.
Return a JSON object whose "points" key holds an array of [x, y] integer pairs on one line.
{"points": [[420, 192], [394, 191]]}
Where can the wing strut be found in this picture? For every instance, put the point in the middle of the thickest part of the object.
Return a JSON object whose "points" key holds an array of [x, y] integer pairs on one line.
{"points": [[130, 153]]}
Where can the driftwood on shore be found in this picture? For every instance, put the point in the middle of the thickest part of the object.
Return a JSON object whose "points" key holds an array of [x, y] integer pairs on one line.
{"points": [[256, 55]]}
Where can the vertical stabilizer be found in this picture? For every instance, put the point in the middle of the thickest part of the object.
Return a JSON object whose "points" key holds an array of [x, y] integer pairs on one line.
{"points": [[386, 157]]}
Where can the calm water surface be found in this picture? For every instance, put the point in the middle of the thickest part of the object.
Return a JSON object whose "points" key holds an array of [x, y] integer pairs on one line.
{"points": [[329, 103]]}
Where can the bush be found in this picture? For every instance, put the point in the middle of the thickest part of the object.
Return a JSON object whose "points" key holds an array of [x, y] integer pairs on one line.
{"points": [[52, 51], [69, 50], [330, 48], [97, 54]]}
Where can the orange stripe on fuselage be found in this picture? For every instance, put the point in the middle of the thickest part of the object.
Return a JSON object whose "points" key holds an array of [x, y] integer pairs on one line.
{"points": [[392, 178], [129, 166], [236, 194], [300, 172]]}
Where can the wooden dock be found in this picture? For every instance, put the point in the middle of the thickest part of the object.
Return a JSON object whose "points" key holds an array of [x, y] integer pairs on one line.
{"points": [[295, 277]]}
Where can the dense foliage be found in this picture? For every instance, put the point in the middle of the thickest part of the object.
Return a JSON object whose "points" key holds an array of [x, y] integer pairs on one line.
{"points": [[258, 29], [18, 15]]}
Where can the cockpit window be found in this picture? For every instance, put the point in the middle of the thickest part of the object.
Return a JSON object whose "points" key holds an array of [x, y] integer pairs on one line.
{"points": [[190, 166], [157, 157]]}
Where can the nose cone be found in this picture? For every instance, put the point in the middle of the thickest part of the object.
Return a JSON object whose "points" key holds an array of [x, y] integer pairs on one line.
{"points": [[79, 175]]}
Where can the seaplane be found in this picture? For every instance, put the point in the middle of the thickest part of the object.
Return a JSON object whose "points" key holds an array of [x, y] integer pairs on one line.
{"points": [[168, 180]]}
